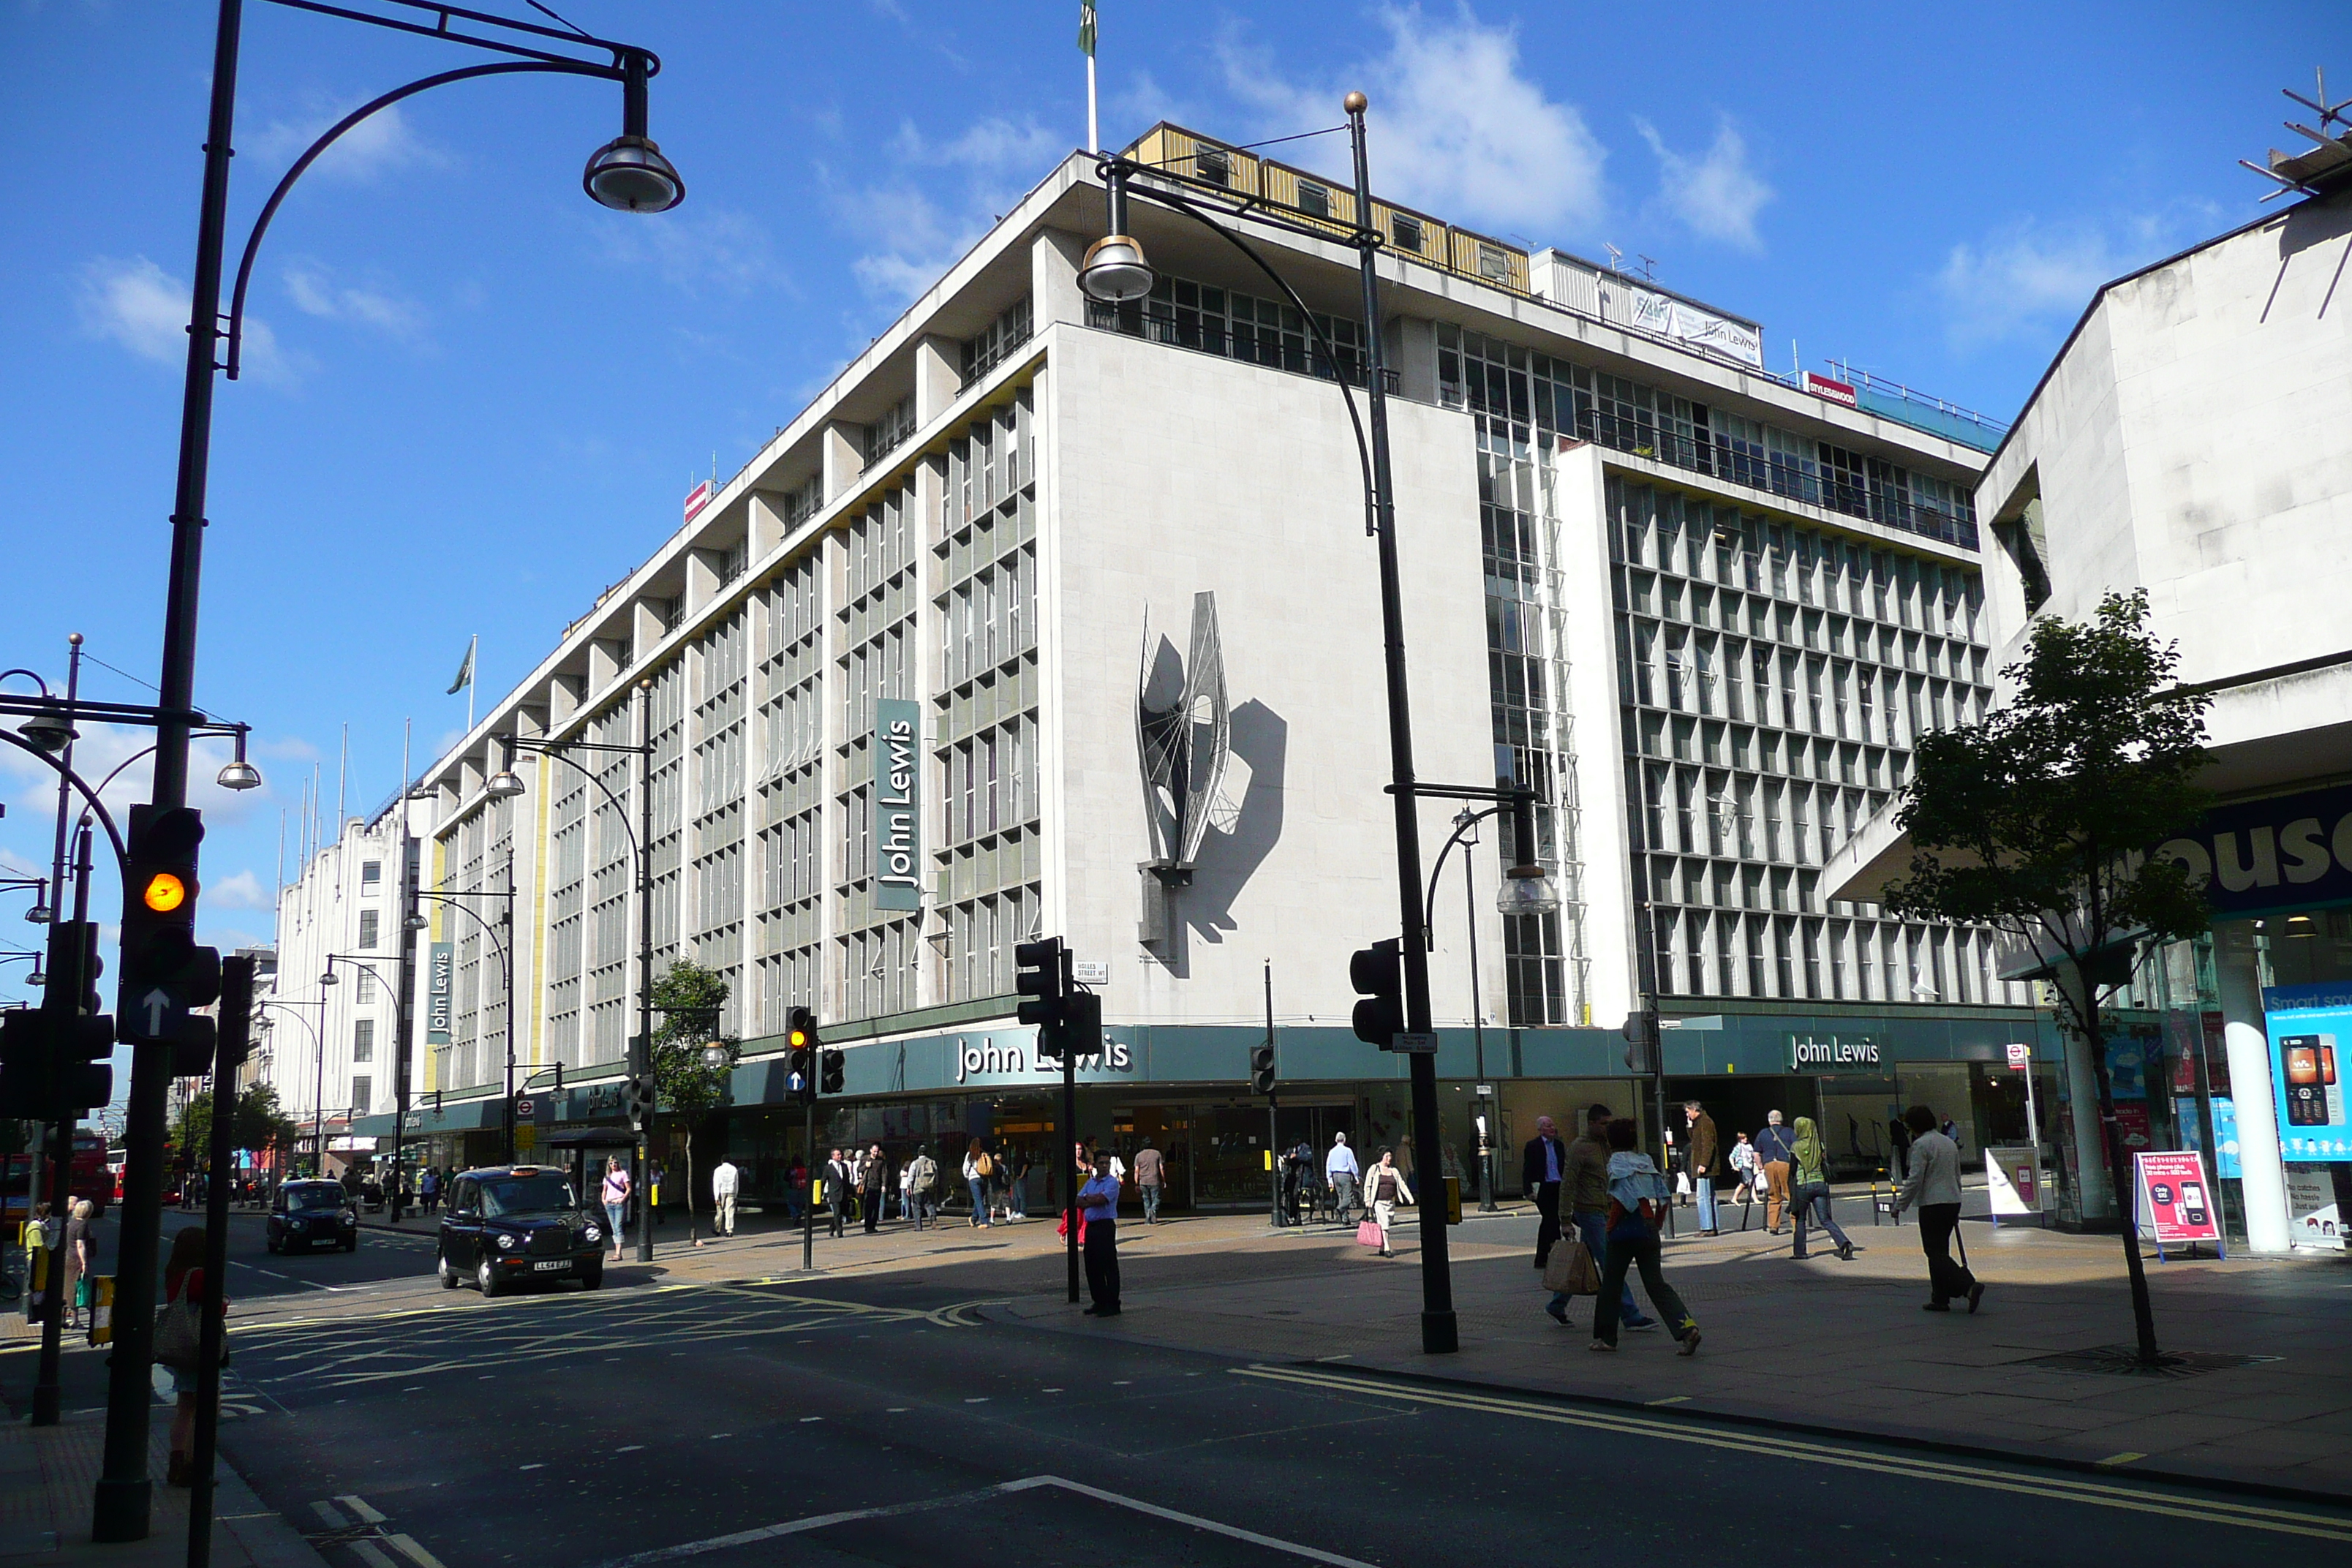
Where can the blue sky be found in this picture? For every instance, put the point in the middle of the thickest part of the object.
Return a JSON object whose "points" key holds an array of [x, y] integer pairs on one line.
{"points": [[475, 398]]}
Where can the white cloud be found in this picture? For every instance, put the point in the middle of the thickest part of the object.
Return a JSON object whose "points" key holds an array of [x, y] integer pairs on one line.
{"points": [[2025, 279], [1456, 126], [993, 145], [697, 249], [240, 890], [381, 142], [916, 233], [316, 292], [1715, 196], [140, 307]]}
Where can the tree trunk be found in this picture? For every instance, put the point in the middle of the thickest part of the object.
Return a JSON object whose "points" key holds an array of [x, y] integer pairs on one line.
{"points": [[2127, 1188], [689, 1184]]}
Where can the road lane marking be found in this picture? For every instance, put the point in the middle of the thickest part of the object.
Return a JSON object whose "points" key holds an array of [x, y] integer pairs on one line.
{"points": [[361, 1510], [982, 1494], [333, 1515], [2126, 1458], [370, 1552], [2050, 1486], [409, 1548]]}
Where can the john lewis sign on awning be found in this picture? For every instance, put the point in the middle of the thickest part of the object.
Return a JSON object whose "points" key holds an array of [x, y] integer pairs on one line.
{"points": [[2287, 850]]}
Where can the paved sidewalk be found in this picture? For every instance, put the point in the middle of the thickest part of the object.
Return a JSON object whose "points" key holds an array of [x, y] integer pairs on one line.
{"points": [[1843, 1347], [47, 1477]]}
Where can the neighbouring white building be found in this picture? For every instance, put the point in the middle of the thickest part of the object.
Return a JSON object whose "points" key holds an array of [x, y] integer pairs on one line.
{"points": [[2194, 437], [1102, 573], [332, 1051]]}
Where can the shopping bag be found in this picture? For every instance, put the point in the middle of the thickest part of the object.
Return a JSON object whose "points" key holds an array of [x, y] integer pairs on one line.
{"points": [[179, 1328], [1570, 1269], [1368, 1233]]}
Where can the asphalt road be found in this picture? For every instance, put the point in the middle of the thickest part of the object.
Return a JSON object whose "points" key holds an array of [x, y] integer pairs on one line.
{"points": [[892, 1420]]}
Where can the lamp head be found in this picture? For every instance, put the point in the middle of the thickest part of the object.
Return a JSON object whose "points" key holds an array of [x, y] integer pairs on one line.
{"points": [[1528, 890], [48, 731], [239, 775], [330, 978], [1115, 271], [629, 175]]}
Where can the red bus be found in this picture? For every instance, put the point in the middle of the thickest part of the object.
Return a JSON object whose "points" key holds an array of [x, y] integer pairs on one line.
{"points": [[88, 1176]]}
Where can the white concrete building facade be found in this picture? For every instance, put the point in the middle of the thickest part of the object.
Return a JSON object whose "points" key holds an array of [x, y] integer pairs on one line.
{"points": [[1700, 610]]}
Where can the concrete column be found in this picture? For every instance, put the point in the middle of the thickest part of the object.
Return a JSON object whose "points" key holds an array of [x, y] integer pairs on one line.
{"points": [[2263, 1186], [767, 524], [844, 457], [2095, 1196], [939, 376], [1053, 292]]}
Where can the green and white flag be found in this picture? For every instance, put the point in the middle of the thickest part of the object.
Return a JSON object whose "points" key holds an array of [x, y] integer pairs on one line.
{"points": [[465, 671], [1086, 29]]}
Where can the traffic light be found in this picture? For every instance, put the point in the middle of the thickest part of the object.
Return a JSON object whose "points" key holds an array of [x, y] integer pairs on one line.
{"points": [[1262, 1067], [829, 1070], [1641, 1032], [25, 1066], [800, 1034], [1377, 975], [641, 1102], [1081, 1031], [1042, 971], [80, 1036], [165, 975]]}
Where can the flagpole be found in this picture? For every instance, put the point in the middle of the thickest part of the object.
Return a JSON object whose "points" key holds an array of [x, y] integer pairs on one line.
{"points": [[472, 647], [1094, 133]]}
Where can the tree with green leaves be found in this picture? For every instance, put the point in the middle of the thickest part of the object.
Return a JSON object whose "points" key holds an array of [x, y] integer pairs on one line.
{"points": [[262, 1123], [2042, 820], [694, 1064]]}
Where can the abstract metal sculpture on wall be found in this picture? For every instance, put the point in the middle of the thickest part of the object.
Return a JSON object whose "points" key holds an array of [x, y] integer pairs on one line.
{"points": [[1183, 740]]}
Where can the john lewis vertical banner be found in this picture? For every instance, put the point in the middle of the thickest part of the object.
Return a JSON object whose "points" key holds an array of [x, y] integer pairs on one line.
{"points": [[898, 805]]}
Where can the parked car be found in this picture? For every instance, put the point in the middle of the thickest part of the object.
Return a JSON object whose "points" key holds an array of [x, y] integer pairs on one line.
{"points": [[308, 1214], [509, 1225]]}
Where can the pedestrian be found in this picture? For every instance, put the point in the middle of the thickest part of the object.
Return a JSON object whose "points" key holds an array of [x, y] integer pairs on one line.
{"points": [[428, 1187], [184, 1280], [42, 1260], [1385, 1188], [874, 1186], [614, 1195], [1637, 1202], [977, 1166], [1098, 1223], [922, 1174], [1340, 1169], [838, 1180], [1747, 1168], [1542, 1163], [1703, 1167], [1812, 1178], [81, 1259], [1775, 1153], [1149, 1170], [1898, 1150], [726, 1181], [1933, 1187], [1017, 1192], [907, 1190], [1586, 1189]]}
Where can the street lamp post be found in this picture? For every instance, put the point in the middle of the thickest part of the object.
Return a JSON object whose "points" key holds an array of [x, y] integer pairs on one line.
{"points": [[318, 1098], [506, 785], [504, 947], [628, 173], [399, 1035]]}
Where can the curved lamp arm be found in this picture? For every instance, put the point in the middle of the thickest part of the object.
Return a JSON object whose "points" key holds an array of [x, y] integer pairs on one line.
{"points": [[620, 812], [310, 156], [505, 966], [1330, 351], [1429, 906]]}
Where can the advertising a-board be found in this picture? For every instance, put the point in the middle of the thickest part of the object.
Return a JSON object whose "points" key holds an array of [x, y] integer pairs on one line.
{"points": [[2176, 1202], [2317, 1222], [2012, 1180]]}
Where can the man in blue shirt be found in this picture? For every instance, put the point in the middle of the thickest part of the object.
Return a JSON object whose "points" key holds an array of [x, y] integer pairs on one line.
{"points": [[1541, 1164], [1340, 1170], [1098, 1208]]}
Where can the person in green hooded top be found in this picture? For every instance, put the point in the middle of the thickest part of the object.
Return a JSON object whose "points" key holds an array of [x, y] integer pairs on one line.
{"points": [[1812, 1188]]}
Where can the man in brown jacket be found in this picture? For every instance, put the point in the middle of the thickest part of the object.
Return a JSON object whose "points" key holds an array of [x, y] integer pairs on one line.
{"points": [[1703, 1157], [1585, 1186]]}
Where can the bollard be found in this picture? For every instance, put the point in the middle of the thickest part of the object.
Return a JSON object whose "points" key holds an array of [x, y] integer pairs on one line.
{"points": [[102, 1309]]}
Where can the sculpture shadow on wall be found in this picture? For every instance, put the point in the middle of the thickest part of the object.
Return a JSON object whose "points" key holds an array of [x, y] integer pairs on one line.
{"points": [[1245, 825]]}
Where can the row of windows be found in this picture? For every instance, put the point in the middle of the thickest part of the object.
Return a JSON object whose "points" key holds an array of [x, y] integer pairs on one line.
{"points": [[1758, 683], [1558, 398], [1239, 326], [1704, 952]]}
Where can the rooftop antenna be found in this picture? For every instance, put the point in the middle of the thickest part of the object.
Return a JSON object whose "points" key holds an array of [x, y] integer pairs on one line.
{"points": [[1649, 268], [2327, 164], [1615, 257]]}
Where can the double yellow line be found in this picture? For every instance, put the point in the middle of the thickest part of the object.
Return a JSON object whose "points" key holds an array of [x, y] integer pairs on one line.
{"points": [[2049, 1486]]}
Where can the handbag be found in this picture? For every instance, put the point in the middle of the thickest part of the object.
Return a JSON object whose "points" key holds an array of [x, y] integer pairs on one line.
{"points": [[1570, 1270], [179, 1336], [1368, 1233]]}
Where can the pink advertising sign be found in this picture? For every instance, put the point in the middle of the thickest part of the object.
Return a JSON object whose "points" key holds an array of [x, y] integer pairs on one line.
{"points": [[2176, 1201]]}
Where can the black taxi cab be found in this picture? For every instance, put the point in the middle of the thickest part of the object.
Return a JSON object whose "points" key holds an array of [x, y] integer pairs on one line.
{"points": [[307, 1214], [506, 1226]]}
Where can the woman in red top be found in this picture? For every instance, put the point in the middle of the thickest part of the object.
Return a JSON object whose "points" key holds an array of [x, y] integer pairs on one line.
{"points": [[184, 1278]]}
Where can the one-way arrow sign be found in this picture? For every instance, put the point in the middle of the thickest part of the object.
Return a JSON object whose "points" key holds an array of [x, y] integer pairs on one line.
{"points": [[157, 1005]]}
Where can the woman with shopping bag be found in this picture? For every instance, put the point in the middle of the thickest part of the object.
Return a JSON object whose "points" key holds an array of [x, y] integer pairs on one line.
{"points": [[1384, 1188], [179, 1344]]}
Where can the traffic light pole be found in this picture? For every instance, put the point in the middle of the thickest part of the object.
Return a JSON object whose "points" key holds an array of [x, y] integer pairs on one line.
{"points": [[808, 1192], [1070, 1164], [236, 1032], [1439, 1334], [75, 986]]}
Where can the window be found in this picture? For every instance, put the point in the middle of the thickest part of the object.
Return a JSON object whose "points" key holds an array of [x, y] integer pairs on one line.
{"points": [[1405, 230], [371, 873], [1212, 164], [1314, 199], [991, 348], [362, 1095], [1493, 262], [367, 990], [363, 1041], [369, 920]]}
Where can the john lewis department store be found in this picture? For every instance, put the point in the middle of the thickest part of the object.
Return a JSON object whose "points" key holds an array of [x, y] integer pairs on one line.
{"points": [[1106, 565]]}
